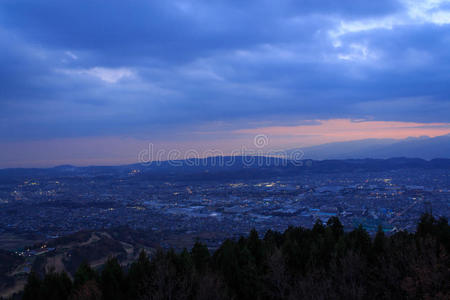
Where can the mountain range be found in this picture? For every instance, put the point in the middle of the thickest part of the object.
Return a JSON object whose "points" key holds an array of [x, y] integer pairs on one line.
{"points": [[421, 147]]}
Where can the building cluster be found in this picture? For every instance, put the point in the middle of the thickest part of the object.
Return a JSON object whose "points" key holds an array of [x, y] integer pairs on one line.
{"points": [[215, 210]]}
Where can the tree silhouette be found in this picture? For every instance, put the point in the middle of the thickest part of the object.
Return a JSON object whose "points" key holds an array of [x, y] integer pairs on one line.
{"points": [[319, 263]]}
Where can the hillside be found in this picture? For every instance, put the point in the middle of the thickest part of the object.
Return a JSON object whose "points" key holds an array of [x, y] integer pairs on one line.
{"points": [[319, 263], [65, 254], [422, 147]]}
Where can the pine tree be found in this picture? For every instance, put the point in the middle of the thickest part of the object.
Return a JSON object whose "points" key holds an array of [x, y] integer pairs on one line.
{"points": [[138, 275], [200, 256], [32, 287], [112, 280], [336, 226], [55, 286], [83, 274], [379, 242]]}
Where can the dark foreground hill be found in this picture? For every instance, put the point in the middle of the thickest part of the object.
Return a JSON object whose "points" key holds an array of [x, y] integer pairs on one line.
{"points": [[65, 254], [318, 263]]}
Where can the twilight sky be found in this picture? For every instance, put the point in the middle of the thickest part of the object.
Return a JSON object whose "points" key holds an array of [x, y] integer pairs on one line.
{"points": [[95, 81]]}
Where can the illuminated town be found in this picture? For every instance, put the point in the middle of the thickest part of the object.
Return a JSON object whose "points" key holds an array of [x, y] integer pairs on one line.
{"points": [[47, 208]]}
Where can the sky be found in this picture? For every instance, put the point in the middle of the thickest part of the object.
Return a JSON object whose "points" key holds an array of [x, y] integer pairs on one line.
{"points": [[97, 81]]}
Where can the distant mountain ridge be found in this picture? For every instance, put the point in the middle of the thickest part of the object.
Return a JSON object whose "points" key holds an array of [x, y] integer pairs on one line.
{"points": [[421, 147], [221, 168]]}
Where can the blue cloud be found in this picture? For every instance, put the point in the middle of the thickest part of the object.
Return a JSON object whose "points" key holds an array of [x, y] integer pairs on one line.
{"points": [[97, 68]]}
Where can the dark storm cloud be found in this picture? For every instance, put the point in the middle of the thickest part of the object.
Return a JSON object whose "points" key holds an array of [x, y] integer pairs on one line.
{"points": [[88, 68], [173, 30]]}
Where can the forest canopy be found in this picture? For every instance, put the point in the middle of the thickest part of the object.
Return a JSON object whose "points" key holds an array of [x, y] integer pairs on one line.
{"points": [[319, 263]]}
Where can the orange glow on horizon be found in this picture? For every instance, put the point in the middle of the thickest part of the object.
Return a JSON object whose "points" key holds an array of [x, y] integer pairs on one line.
{"points": [[117, 150], [347, 130]]}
